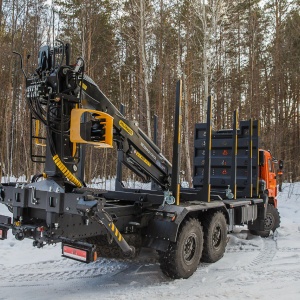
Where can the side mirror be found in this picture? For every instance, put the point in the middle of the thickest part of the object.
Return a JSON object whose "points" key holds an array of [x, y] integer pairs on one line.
{"points": [[261, 157], [280, 164]]}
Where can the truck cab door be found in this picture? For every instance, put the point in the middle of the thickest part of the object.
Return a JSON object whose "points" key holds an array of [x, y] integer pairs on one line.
{"points": [[271, 184]]}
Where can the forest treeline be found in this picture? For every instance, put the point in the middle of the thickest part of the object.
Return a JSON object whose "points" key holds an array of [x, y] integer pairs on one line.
{"points": [[245, 53]]}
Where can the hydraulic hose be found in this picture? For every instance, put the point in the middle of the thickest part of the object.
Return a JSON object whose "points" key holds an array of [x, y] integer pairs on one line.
{"points": [[65, 171]]}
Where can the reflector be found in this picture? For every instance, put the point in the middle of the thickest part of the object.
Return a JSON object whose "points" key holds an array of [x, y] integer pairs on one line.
{"points": [[3, 234], [80, 251], [75, 253]]}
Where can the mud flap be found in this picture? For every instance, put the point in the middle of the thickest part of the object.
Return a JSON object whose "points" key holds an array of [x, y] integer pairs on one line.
{"points": [[96, 212], [259, 223]]}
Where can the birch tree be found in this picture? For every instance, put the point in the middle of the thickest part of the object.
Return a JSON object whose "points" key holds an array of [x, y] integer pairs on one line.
{"points": [[210, 15], [142, 52]]}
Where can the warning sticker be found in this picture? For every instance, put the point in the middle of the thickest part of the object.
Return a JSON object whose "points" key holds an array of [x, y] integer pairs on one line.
{"points": [[141, 157], [126, 127]]}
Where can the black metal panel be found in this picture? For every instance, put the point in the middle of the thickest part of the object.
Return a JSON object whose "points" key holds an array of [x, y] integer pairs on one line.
{"points": [[227, 165]]}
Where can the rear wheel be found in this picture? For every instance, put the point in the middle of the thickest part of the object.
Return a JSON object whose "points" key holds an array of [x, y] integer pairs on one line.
{"points": [[182, 257], [215, 236], [272, 222]]}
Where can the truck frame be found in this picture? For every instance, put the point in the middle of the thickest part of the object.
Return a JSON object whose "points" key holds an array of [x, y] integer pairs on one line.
{"points": [[234, 180]]}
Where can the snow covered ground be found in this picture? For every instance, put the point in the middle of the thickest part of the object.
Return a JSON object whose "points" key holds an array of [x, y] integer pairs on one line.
{"points": [[252, 268]]}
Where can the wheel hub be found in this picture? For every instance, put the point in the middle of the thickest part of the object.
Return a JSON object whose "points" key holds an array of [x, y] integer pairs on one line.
{"points": [[217, 236], [269, 221], [189, 248]]}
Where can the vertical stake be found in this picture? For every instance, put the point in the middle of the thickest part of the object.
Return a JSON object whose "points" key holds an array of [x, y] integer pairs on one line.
{"points": [[234, 154], [175, 184], [154, 185], [205, 191], [118, 183], [250, 163], [155, 129]]}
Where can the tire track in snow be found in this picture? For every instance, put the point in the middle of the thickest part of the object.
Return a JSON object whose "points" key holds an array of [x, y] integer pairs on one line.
{"points": [[66, 269], [143, 266], [266, 253], [287, 249], [258, 268], [261, 253], [59, 270]]}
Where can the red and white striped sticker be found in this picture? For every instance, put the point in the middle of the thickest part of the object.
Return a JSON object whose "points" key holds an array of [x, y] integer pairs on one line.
{"points": [[75, 253]]}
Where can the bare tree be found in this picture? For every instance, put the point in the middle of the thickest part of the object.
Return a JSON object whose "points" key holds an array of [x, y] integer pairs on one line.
{"points": [[210, 15], [142, 52]]}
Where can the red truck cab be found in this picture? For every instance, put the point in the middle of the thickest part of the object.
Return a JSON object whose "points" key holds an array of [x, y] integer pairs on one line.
{"points": [[267, 175], [268, 191]]}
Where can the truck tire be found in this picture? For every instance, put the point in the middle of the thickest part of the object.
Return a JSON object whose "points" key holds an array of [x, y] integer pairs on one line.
{"points": [[215, 237], [272, 222], [183, 256]]}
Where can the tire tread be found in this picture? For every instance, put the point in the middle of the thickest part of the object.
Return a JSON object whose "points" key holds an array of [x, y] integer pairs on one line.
{"points": [[168, 260], [208, 254]]}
